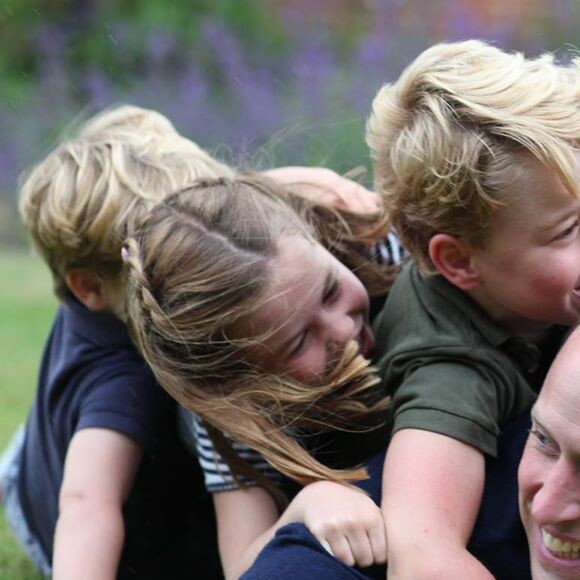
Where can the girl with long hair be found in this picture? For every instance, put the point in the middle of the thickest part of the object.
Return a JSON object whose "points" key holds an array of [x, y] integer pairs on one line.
{"points": [[251, 305]]}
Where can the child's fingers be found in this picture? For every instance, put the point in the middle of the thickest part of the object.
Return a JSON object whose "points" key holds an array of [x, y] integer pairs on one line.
{"points": [[357, 198], [378, 542], [327, 547], [368, 201], [361, 549], [340, 548]]}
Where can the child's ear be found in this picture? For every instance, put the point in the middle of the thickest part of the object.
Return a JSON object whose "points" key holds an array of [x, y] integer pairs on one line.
{"points": [[87, 288], [453, 260]]}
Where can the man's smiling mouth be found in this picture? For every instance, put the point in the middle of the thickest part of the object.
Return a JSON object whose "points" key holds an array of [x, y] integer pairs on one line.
{"points": [[561, 548]]}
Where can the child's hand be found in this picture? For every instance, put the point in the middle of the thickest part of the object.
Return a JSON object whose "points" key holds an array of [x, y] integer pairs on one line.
{"points": [[345, 521], [327, 187]]}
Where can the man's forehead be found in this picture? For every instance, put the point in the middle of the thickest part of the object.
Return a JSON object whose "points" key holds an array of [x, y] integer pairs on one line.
{"points": [[559, 398]]}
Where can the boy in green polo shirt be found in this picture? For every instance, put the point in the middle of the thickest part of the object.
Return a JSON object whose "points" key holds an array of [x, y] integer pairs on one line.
{"points": [[475, 157]]}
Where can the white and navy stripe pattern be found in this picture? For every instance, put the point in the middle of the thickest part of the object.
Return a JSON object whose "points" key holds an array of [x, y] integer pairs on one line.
{"points": [[389, 251], [217, 474]]}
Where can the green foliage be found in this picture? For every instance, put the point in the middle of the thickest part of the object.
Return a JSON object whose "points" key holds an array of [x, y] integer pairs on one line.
{"points": [[89, 33], [26, 309], [14, 565], [27, 306]]}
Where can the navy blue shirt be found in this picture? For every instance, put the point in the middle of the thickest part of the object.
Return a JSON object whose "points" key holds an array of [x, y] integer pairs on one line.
{"points": [[92, 376], [498, 538]]}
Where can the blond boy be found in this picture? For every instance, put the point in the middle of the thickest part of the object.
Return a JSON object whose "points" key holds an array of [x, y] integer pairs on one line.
{"points": [[99, 486], [475, 157]]}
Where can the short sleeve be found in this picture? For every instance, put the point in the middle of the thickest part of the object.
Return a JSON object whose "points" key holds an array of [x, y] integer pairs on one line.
{"points": [[453, 399], [131, 403], [217, 474]]}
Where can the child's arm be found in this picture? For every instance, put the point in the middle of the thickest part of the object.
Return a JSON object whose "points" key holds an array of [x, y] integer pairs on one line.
{"points": [[243, 516], [432, 488], [99, 470], [333, 189], [345, 521]]}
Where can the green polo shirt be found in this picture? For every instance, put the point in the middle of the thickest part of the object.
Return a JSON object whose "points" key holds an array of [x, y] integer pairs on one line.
{"points": [[449, 368]]}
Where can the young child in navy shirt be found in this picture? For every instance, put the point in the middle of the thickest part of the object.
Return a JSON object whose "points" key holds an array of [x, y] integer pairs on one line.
{"points": [[97, 484]]}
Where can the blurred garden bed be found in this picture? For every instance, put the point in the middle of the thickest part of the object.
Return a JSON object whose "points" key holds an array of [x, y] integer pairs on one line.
{"points": [[256, 82]]}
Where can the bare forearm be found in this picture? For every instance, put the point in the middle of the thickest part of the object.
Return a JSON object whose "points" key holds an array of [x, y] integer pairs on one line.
{"points": [[325, 186], [344, 520], [432, 486], [234, 567], [88, 542], [236, 560], [244, 517]]}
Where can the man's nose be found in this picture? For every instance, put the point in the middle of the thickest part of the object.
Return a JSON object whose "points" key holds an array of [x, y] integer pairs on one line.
{"points": [[558, 500]]}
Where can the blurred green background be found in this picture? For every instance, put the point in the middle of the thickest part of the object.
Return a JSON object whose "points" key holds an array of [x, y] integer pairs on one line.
{"points": [[256, 82], [26, 309]]}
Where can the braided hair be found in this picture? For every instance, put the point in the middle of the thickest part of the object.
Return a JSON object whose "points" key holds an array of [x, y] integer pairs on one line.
{"points": [[200, 263]]}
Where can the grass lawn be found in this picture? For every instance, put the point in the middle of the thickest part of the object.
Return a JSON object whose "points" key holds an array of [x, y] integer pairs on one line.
{"points": [[26, 309]]}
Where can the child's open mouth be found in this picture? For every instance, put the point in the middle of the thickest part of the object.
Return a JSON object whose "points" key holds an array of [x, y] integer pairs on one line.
{"points": [[576, 296], [366, 342]]}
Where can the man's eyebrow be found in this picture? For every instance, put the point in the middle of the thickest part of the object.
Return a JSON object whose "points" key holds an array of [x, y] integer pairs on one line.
{"points": [[537, 422], [534, 416]]}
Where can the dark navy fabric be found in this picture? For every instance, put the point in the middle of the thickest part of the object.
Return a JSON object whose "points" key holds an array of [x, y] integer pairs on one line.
{"points": [[498, 539], [92, 376], [294, 553]]}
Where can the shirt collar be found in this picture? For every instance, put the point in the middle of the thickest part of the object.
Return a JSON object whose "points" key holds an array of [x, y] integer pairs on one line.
{"points": [[527, 355], [102, 328]]}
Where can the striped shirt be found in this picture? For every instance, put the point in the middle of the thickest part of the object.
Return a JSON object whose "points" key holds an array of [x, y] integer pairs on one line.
{"points": [[217, 474]]}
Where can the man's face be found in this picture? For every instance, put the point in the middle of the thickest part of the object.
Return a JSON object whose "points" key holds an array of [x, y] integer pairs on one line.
{"points": [[549, 473]]}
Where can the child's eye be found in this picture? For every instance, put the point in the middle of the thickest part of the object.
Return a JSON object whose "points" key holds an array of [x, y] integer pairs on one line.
{"points": [[567, 232], [298, 345], [331, 291]]}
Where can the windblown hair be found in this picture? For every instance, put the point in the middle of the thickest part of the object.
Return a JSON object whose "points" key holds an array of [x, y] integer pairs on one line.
{"points": [[446, 136], [127, 117], [79, 204], [199, 264]]}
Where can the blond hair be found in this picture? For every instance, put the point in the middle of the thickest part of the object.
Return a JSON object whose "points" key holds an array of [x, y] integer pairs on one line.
{"points": [[446, 135], [79, 203], [200, 264], [126, 117]]}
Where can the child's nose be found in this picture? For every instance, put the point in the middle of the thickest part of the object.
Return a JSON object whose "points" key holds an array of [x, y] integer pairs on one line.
{"points": [[341, 328]]}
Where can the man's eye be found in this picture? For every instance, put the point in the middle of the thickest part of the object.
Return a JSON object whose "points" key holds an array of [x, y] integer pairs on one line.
{"points": [[543, 440]]}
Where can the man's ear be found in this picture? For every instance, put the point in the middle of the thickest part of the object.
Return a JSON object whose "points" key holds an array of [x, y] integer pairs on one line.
{"points": [[453, 260], [87, 288]]}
